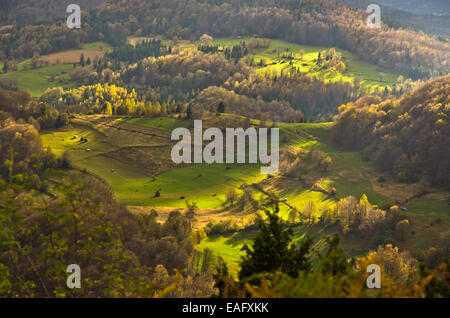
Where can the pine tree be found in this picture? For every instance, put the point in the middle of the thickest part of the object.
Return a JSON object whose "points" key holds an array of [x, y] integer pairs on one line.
{"points": [[273, 250], [221, 108], [189, 111], [82, 61]]}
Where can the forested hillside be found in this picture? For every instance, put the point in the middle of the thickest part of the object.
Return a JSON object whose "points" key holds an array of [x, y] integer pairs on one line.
{"points": [[320, 22], [408, 137]]}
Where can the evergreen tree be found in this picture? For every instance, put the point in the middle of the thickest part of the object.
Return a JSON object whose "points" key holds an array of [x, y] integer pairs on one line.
{"points": [[221, 108], [273, 250], [82, 61], [220, 277], [189, 111], [437, 287]]}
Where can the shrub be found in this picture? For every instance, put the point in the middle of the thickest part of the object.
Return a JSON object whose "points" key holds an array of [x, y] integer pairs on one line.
{"points": [[65, 161], [402, 230]]}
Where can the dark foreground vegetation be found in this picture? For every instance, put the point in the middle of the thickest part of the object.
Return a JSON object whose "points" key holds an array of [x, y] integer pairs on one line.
{"points": [[51, 217], [277, 267]]}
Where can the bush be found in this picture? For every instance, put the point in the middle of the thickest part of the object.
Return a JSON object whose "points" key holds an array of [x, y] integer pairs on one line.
{"points": [[221, 227], [65, 161], [402, 230], [432, 257], [381, 179], [44, 186]]}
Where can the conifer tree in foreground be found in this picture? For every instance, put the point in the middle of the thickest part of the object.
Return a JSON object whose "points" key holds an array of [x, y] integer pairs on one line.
{"points": [[273, 249]]}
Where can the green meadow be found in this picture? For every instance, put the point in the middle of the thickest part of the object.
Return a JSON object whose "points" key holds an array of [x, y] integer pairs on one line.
{"points": [[97, 46], [228, 247], [54, 75], [38, 80], [161, 123], [207, 184], [204, 184], [430, 218]]}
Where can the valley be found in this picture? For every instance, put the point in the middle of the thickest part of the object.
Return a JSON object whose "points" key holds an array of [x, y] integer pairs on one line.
{"points": [[132, 155], [105, 191]]}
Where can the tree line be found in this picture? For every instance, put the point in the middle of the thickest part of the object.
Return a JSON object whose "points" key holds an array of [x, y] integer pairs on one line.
{"points": [[131, 54], [20, 106]]}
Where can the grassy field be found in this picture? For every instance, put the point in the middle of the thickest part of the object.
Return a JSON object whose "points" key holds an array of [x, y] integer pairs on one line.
{"points": [[38, 80], [56, 73], [90, 50], [179, 44], [162, 123], [430, 219], [102, 46], [133, 40], [72, 56], [228, 247], [203, 183], [207, 184]]}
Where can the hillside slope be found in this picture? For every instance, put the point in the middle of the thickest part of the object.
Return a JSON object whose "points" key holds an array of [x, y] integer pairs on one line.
{"points": [[408, 137]]}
